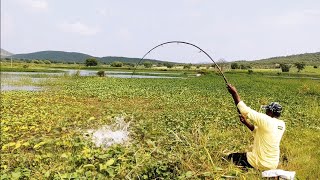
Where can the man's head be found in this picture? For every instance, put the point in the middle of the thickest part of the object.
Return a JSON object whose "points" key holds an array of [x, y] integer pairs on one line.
{"points": [[274, 109]]}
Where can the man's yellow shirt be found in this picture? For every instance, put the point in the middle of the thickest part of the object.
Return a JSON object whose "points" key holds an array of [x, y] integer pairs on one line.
{"points": [[267, 135]]}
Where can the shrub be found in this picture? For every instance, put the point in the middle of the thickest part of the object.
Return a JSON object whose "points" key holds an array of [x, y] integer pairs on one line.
{"points": [[130, 64], [147, 64], [47, 62], [204, 72], [77, 74], [91, 62], [35, 61], [101, 73], [234, 66], [187, 66], [168, 65], [116, 64], [159, 64]]}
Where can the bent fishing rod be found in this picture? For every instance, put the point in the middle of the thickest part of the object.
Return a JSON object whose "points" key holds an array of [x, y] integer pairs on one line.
{"points": [[190, 44], [187, 43]]}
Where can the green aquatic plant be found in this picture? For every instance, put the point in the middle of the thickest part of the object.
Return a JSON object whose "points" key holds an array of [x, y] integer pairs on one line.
{"points": [[179, 128]]}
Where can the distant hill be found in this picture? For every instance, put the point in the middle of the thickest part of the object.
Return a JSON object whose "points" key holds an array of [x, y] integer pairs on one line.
{"points": [[110, 59], [307, 58], [58, 56], [71, 57], [5, 53], [62, 56]]}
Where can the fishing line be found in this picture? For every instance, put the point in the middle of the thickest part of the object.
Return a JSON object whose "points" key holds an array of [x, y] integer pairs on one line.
{"points": [[187, 43]]}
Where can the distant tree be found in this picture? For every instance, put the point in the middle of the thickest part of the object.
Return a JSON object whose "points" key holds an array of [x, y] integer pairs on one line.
{"points": [[222, 64], [130, 64], [47, 62], [300, 66], [91, 62], [116, 64], [234, 66], [242, 66], [147, 64], [168, 65], [285, 67], [276, 66], [159, 64], [35, 61], [187, 66]]}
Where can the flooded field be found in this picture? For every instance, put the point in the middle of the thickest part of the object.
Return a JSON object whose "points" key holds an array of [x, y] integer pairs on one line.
{"points": [[31, 81]]}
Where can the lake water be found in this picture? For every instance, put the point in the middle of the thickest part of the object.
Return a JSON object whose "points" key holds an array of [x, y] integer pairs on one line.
{"points": [[122, 74], [29, 81], [19, 88]]}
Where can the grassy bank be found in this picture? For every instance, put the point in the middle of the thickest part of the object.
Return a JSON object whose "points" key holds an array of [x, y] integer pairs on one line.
{"points": [[180, 128]]}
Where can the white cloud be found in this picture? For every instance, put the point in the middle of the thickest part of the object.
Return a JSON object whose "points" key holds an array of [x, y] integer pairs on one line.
{"points": [[79, 28], [102, 12], [39, 5], [7, 26], [124, 34], [303, 17]]}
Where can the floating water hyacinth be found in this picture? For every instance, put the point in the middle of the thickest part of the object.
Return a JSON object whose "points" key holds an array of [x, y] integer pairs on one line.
{"points": [[108, 135]]}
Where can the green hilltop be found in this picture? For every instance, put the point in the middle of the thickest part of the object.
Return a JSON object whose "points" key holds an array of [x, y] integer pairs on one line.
{"points": [[75, 57], [307, 58], [56, 56]]}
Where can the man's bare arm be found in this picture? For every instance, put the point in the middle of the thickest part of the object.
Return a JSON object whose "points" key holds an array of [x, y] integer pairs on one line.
{"points": [[233, 91], [246, 122]]}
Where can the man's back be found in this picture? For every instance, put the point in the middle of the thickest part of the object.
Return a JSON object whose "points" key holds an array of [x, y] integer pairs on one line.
{"points": [[266, 146], [267, 134]]}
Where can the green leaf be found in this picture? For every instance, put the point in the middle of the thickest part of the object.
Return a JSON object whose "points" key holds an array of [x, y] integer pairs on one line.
{"points": [[110, 171], [102, 167], [89, 166], [26, 144], [218, 169], [64, 155], [16, 175], [109, 162], [188, 174], [47, 174], [18, 145], [37, 146]]}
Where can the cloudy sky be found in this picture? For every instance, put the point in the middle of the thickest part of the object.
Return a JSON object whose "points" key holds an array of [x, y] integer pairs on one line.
{"points": [[231, 29]]}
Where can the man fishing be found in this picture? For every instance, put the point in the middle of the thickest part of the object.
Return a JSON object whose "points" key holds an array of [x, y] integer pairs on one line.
{"points": [[267, 131]]}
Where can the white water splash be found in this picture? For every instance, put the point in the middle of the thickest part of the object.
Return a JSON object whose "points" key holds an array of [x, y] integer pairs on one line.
{"points": [[108, 135]]}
